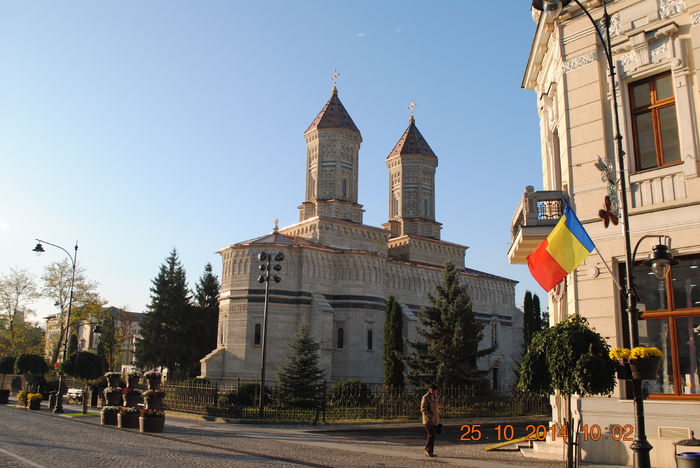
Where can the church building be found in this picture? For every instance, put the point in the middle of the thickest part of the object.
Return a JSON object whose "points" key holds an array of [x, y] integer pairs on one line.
{"points": [[338, 272]]}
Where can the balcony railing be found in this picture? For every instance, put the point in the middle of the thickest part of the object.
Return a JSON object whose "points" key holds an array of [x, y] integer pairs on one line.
{"points": [[537, 212]]}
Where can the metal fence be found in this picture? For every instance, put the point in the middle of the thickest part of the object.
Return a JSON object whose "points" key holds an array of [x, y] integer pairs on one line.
{"points": [[355, 402]]}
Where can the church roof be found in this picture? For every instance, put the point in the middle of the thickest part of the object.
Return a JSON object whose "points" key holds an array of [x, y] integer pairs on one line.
{"points": [[412, 142], [278, 238], [333, 115]]}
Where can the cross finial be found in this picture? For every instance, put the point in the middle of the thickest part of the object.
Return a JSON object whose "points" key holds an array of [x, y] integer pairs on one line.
{"points": [[411, 107], [277, 225], [335, 76]]}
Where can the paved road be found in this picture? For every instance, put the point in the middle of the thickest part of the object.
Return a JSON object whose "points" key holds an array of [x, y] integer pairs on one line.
{"points": [[40, 439]]}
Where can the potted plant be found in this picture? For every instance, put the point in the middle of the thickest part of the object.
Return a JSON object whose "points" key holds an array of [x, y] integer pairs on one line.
{"points": [[113, 396], [132, 379], [622, 365], [151, 420], [113, 378], [131, 396], [22, 399], [128, 418], [7, 366], [34, 400], [645, 362], [108, 415], [153, 399], [153, 379]]}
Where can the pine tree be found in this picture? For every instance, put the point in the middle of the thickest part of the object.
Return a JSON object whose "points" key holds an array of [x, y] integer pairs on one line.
{"points": [[532, 317], [393, 344], [207, 303], [541, 316], [448, 355], [168, 325], [300, 379]]}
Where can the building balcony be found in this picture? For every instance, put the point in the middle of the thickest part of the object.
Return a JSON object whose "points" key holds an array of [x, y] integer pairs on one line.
{"points": [[534, 219]]}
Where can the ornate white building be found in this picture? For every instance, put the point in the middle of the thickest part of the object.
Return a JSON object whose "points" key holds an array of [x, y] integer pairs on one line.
{"points": [[656, 53], [338, 272]]}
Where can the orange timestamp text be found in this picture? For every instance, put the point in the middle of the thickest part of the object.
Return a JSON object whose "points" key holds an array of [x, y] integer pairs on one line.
{"points": [[506, 432]]}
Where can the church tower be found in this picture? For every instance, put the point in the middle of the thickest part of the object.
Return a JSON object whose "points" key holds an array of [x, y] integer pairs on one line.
{"points": [[332, 150], [412, 165]]}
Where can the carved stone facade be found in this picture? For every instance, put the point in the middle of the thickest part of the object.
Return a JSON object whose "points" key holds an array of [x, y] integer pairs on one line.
{"points": [[338, 272]]}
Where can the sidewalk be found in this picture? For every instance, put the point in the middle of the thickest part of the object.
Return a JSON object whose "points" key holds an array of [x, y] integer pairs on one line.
{"points": [[326, 436]]}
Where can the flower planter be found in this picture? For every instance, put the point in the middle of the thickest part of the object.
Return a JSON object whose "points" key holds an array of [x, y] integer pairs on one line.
{"points": [[114, 398], [153, 402], [35, 405], [113, 379], [153, 382], [623, 369], [128, 421], [131, 400], [133, 381], [645, 369], [151, 424], [108, 418], [4, 397]]}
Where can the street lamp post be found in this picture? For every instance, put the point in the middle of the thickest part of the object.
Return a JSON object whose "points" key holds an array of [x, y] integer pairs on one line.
{"points": [[265, 277], [640, 445], [39, 248]]}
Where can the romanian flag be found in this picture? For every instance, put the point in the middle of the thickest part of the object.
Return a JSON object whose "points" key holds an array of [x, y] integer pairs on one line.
{"points": [[561, 252]]}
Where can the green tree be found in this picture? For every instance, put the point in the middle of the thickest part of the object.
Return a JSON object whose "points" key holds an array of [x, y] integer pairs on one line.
{"points": [[300, 379], [72, 345], [393, 344], [168, 326], [451, 333], [86, 303], [27, 338], [17, 290], [33, 367], [571, 358], [85, 366], [207, 304]]}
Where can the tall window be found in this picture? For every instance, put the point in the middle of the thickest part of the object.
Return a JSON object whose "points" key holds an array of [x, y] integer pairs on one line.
{"points": [[425, 207], [369, 340], [670, 320], [654, 122], [256, 339], [345, 187], [341, 338]]}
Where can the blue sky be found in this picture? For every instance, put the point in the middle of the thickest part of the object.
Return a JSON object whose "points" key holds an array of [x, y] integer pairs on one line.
{"points": [[136, 127]]}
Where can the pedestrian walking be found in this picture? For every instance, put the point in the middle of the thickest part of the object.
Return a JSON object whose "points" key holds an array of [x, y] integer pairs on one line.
{"points": [[430, 410]]}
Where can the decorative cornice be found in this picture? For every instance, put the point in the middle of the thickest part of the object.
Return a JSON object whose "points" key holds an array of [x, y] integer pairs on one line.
{"points": [[668, 8], [579, 61]]}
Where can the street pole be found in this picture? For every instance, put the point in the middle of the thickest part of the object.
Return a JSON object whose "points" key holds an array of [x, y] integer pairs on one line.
{"points": [[266, 267], [39, 249]]}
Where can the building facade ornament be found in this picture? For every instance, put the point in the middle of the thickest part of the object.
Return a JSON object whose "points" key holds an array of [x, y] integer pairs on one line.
{"points": [[668, 8], [577, 62]]}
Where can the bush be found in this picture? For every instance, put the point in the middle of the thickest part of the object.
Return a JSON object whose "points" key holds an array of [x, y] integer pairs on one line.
{"points": [[7, 365], [83, 365], [31, 364], [351, 393]]}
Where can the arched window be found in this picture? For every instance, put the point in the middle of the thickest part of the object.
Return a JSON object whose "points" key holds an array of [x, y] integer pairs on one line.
{"points": [[345, 187], [341, 338], [425, 207], [494, 378], [369, 339], [256, 339], [494, 332]]}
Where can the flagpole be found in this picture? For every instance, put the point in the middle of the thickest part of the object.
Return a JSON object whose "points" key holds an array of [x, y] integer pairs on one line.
{"points": [[609, 270]]}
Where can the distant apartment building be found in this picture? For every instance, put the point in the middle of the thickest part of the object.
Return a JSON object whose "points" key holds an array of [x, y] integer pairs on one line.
{"points": [[125, 324]]}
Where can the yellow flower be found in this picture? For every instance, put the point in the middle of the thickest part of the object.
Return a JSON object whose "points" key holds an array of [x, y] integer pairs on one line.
{"points": [[35, 397], [642, 352], [619, 353]]}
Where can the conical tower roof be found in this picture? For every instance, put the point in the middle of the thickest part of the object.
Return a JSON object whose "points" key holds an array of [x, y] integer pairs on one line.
{"points": [[412, 142], [333, 115]]}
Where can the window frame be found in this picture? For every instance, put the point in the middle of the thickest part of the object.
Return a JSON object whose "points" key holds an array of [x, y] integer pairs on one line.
{"points": [[670, 314], [257, 335], [654, 107]]}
